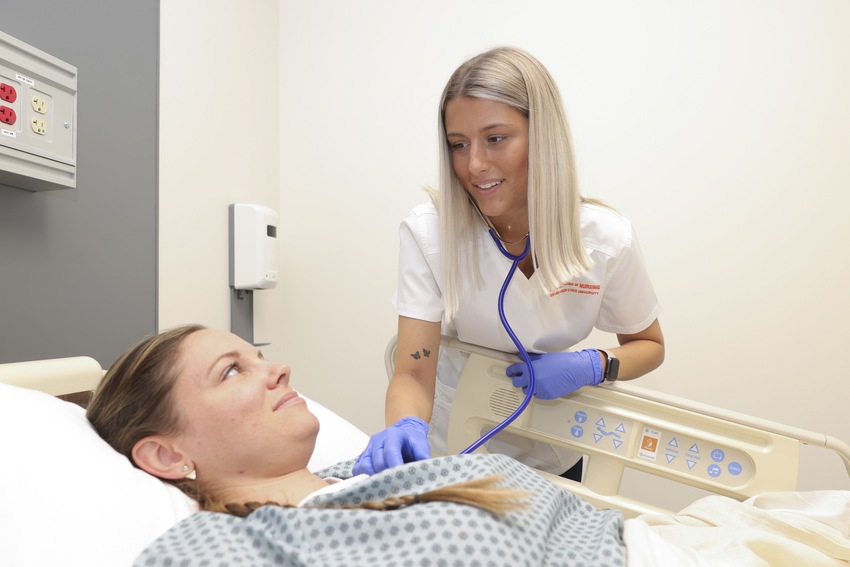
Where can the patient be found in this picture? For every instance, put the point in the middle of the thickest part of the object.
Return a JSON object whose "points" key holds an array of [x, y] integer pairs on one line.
{"points": [[202, 409]]}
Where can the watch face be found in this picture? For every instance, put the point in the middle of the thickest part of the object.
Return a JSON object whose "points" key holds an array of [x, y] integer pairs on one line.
{"points": [[613, 368]]}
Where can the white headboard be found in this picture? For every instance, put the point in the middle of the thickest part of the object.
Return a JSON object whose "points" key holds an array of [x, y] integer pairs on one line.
{"points": [[57, 376]]}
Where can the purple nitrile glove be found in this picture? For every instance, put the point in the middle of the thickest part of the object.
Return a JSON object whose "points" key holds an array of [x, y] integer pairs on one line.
{"points": [[404, 441], [558, 374]]}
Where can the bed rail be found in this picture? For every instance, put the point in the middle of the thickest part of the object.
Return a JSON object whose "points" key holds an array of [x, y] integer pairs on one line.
{"points": [[620, 426]]}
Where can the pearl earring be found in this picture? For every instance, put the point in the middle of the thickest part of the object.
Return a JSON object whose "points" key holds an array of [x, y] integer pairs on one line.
{"points": [[190, 474]]}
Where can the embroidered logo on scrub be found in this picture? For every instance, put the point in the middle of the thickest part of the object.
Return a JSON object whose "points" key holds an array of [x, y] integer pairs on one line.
{"points": [[577, 287]]}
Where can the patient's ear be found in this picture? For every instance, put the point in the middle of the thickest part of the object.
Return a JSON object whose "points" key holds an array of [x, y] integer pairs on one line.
{"points": [[158, 455]]}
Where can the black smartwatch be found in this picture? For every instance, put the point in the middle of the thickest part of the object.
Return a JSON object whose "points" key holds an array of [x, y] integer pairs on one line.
{"points": [[612, 368]]}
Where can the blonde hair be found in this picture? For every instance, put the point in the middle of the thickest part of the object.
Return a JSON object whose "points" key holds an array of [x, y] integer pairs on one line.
{"points": [[513, 77], [134, 401]]}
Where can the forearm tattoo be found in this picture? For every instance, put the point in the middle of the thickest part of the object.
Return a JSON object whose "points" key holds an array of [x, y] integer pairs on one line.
{"points": [[425, 352]]}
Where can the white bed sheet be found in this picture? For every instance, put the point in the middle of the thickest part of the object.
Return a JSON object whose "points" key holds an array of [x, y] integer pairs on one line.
{"points": [[773, 529]]}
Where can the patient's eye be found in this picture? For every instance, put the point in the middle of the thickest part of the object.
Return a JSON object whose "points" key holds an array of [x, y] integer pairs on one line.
{"points": [[231, 370]]}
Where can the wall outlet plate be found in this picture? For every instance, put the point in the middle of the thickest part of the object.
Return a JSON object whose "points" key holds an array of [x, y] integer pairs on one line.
{"points": [[38, 135]]}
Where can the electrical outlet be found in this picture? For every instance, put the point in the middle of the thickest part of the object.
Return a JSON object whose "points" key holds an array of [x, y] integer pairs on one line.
{"points": [[39, 126], [39, 104], [7, 115], [8, 92], [38, 94]]}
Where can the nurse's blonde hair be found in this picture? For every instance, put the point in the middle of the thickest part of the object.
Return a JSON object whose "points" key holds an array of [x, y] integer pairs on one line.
{"points": [[513, 77]]}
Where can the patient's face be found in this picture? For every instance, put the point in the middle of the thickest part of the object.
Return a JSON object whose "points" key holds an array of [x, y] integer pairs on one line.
{"points": [[239, 416]]}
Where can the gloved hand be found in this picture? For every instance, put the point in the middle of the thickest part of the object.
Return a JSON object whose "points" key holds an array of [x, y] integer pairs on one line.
{"points": [[557, 374], [402, 442]]}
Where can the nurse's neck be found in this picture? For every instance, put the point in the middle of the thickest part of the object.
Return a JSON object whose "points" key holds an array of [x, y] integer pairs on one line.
{"points": [[510, 232]]}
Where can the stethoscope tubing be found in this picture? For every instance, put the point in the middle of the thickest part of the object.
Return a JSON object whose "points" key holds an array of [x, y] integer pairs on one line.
{"points": [[523, 353]]}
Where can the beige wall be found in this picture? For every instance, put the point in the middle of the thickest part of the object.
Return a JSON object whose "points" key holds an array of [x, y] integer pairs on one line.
{"points": [[219, 124], [720, 129]]}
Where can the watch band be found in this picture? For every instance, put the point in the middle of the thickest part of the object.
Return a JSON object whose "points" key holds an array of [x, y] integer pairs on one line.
{"points": [[612, 367]]}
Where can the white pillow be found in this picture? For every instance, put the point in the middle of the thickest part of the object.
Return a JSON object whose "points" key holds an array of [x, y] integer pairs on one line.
{"points": [[67, 498], [338, 440]]}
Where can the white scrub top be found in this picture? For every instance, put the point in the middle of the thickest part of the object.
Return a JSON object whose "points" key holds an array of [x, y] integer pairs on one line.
{"points": [[615, 295]]}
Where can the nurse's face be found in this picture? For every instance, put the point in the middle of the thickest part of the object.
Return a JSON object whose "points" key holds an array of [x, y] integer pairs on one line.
{"points": [[237, 412], [489, 147]]}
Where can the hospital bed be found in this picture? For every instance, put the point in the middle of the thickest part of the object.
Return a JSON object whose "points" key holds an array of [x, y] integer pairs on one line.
{"points": [[66, 497], [69, 499]]}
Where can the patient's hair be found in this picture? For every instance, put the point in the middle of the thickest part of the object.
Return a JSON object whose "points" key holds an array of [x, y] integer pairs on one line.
{"points": [[513, 77], [483, 493], [134, 400]]}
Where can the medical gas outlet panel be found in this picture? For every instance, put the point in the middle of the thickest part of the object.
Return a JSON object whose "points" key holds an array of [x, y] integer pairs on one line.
{"points": [[38, 111]]}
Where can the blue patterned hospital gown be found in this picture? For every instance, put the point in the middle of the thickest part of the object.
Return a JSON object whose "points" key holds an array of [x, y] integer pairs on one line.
{"points": [[555, 528]]}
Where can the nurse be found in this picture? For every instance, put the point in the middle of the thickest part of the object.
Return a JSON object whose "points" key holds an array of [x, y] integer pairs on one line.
{"points": [[507, 172]]}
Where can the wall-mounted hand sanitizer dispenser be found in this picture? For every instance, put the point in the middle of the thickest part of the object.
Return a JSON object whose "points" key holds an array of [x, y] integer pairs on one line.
{"points": [[254, 248]]}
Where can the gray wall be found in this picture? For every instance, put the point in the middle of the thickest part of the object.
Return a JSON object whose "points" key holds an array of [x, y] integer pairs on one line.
{"points": [[78, 266]]}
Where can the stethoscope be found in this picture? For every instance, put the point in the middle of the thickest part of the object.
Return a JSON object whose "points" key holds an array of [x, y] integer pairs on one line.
{"points": [[522, 352]]}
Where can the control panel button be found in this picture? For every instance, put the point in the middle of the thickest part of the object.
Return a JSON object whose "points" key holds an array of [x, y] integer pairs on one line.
{"points": [[649, 442]]}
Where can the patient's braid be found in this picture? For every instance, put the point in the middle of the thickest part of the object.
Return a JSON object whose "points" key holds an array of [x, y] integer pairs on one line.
{"points": [[243, 510], [483, 493]]}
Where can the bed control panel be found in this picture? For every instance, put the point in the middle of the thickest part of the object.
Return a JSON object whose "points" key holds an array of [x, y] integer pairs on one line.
{"points": [[663, 447], [624, 427], [693, 456]]}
